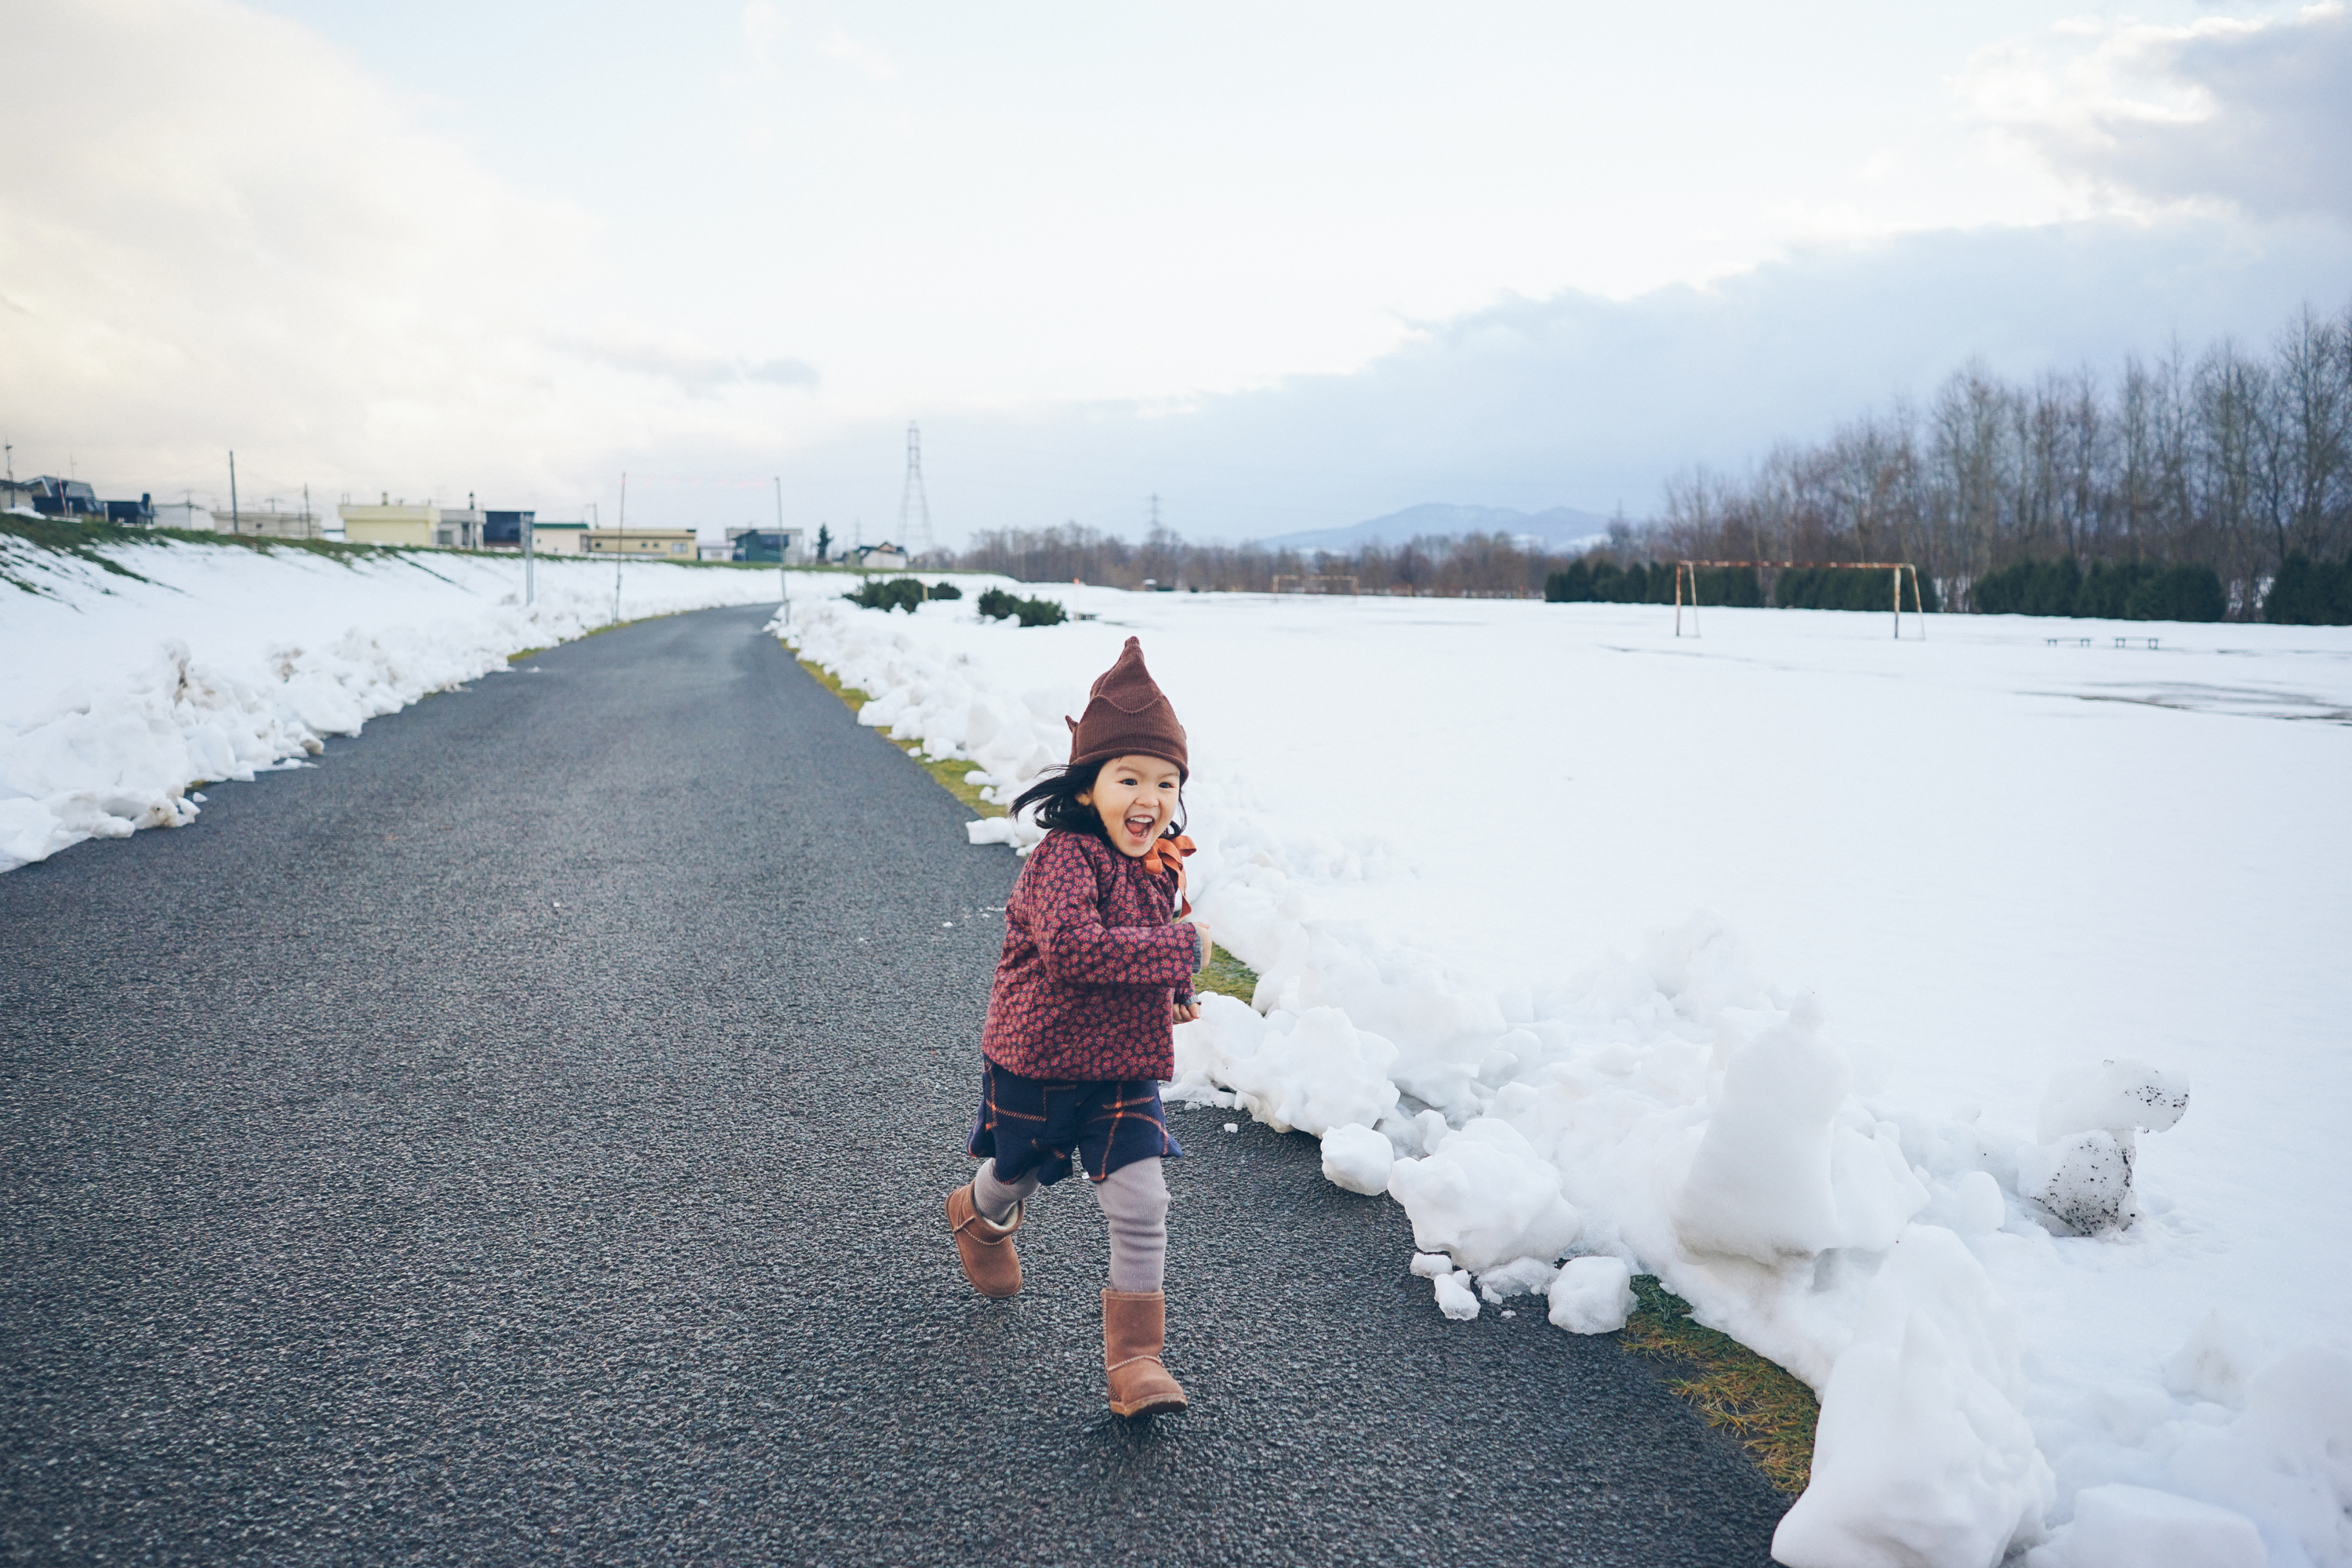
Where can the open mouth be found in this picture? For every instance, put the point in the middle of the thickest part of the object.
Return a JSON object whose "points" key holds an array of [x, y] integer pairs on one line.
{"points": [[1142, 826]]}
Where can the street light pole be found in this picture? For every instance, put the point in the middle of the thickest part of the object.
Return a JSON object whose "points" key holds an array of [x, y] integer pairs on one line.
{"points": [[784, 579]]}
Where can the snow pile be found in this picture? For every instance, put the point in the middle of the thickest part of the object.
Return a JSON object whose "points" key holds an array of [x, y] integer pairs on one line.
{"points": [[1313, 1071], [2134, 1527], [1987, 1315], [1486, 1199], [125, 693], [1791, 1164], [1921, 1455]]}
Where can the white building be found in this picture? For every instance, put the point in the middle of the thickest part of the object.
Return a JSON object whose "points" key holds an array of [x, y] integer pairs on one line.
{"points": [[185, 515], [551, 538]]}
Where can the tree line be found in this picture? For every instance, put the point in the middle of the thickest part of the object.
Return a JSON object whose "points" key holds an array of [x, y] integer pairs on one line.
{"points": [[2181, 487], [2232, 461], [1480, 565]]}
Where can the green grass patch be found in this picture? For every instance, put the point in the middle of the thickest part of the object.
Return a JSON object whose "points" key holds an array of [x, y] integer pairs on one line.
{"points": [[1227, 976], [83, 539], [1767, 1409], [264, 544]]}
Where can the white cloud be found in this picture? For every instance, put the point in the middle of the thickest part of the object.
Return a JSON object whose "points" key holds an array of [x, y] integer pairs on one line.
{"points": [[763, 25], [690, 370], [253, 244], [1071, 246], [1583, 401], [2255, 113], [841, 46]]}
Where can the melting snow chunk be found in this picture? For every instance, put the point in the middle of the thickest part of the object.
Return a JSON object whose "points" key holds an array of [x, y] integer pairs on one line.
{"points": [[1454, 1296], [1593, 1296], [1358, 1158]]}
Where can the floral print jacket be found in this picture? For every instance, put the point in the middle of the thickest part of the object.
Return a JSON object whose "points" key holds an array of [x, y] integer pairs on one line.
{"points": [[1092, 968]]}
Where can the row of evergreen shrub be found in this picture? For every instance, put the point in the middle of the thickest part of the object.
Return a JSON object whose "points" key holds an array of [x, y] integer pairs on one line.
{"points": [[2111, 590], [899, 594], [999, 606], [2308, 592], [1585, 582], [1848, 588]]}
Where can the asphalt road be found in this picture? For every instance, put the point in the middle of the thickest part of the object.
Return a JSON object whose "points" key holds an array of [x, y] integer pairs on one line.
{"points": [[522, 1137]]}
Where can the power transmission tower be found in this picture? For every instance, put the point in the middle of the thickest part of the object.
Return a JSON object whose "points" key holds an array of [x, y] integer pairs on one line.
{"points": [[914, 506]]}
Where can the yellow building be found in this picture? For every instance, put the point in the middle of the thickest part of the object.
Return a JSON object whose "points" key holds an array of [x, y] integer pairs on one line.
{"points": [[656, 543], [390, 524], [435, 527]]}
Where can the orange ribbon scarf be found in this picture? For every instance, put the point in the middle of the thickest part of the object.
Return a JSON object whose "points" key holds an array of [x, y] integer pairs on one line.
{"points": [[1167, 854]]}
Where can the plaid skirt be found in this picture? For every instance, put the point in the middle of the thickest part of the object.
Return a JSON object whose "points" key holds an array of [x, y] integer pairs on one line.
{"points": [[1029, 1124]]}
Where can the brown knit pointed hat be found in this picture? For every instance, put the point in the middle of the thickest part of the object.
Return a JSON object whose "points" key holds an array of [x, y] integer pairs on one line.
{"points": [[1127, 716]]}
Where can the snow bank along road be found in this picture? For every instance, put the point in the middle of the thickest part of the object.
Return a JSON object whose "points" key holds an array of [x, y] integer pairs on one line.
{"points": [[212, 661], [1902, 1107], [520, 1137]]}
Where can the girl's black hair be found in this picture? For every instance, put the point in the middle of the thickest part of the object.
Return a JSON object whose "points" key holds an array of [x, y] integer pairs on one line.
{"points": [[1055, 798]]}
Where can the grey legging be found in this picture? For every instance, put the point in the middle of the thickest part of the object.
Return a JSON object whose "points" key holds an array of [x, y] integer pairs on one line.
{"points": [[1134, 1200]]}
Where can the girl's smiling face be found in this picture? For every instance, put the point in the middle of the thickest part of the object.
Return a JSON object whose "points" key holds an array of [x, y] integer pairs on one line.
{"points": [[1136, 797]]}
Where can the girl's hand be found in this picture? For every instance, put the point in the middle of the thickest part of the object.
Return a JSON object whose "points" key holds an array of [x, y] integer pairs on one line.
{"points": [[1207, 946], [1187, 1010]]}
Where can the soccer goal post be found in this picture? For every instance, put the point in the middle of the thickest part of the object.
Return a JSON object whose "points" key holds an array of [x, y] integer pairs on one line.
{"points": [[1687, 571], [1315, 582]]}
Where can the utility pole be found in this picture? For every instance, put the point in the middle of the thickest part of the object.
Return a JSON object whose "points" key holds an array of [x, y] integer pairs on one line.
{"points": [[1155, 512], [619, 534], [12, 464], [308, 531], [234, 526], [527, 584], [784, 579]]}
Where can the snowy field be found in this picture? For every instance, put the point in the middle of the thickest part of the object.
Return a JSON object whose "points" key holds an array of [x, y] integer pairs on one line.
{"points": [[1783, 963], [120, 696]]}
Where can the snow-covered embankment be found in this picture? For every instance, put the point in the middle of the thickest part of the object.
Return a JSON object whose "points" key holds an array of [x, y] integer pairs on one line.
{"points": [[124, 693]]}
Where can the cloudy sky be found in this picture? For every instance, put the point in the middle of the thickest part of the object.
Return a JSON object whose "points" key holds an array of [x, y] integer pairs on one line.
{"points": [[1283, 267]]}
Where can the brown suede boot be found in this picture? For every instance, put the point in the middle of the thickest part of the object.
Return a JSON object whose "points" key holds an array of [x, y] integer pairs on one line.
{"points": [[1134, 1327], [989, 1259]]}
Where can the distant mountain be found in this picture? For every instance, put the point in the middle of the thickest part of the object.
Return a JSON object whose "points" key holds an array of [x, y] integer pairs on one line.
{"points": [[1558, 528]]}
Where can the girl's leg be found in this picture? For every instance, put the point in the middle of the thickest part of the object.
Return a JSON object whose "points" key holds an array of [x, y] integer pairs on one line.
{"points": [[1134, 1200], [995, 1199]]}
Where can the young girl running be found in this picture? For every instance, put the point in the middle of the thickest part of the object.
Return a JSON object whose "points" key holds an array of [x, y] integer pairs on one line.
{"points": [[1093, 980]]}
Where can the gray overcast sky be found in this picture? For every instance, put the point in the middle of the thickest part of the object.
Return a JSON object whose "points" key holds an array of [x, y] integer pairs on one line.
{"points": [[1285, 267]]}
